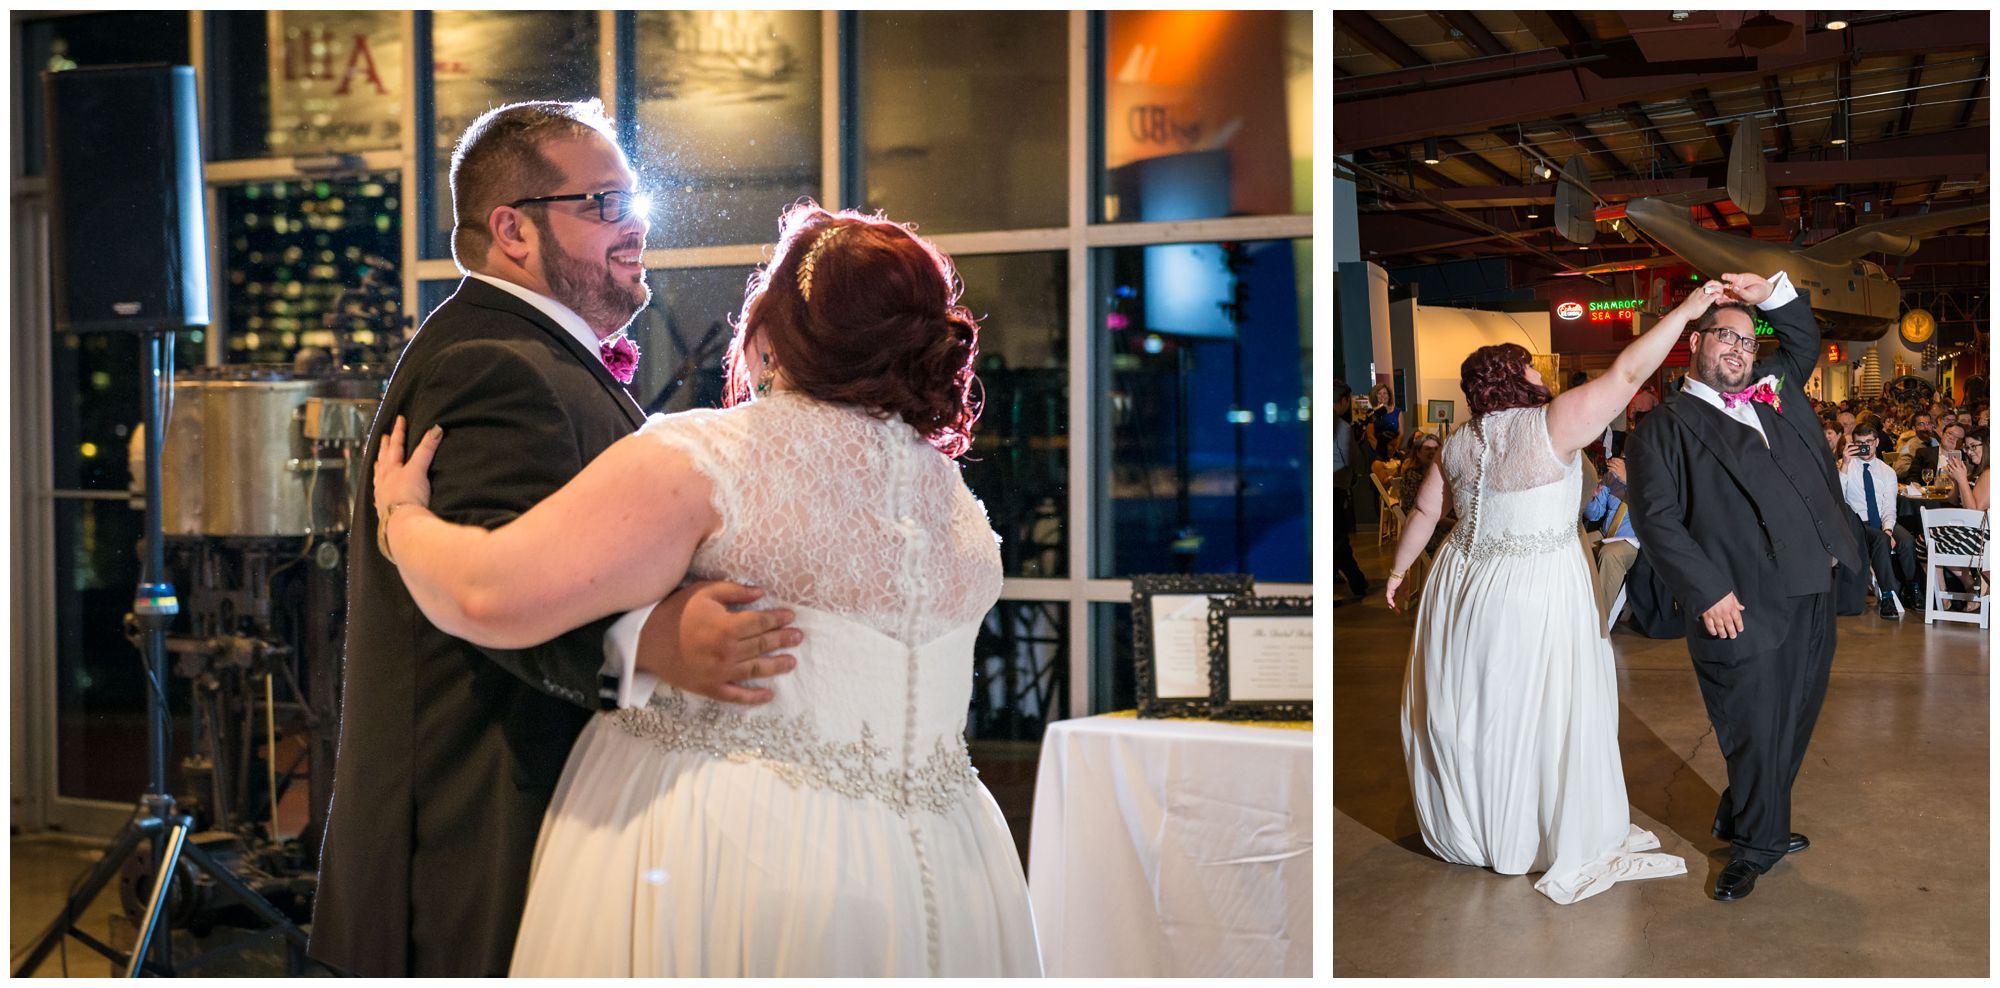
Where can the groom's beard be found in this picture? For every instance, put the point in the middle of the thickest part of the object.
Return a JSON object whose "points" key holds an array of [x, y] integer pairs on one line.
{"points": [[606, 303], [1711, 369]]}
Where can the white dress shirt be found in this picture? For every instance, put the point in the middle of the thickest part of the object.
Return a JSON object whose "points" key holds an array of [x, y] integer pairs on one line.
{"points": [[1782, 293], [621, 640], [561, 314], [1856, 493]]}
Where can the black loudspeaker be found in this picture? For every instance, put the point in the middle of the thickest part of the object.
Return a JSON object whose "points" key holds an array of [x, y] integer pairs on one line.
{"points": [[126, 199]]}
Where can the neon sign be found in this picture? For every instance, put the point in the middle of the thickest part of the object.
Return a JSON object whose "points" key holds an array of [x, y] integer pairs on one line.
{"points": [[1614, 310], [1570, 310]]}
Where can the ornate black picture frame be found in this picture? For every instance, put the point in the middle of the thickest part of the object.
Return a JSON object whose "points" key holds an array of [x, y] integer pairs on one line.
{"points": [[1222, 706], [1145, 587]]}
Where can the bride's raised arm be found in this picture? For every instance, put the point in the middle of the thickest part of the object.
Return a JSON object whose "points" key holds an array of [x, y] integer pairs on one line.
{"points": [[616, 537], [1578, 416]]}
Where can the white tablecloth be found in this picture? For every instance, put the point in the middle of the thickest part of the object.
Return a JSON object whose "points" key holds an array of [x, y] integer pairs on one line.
{"points": [[1173, 848]]}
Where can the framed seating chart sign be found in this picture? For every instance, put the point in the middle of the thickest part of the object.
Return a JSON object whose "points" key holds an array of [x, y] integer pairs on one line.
{"points": [[1170, 639], [1260, 664]]}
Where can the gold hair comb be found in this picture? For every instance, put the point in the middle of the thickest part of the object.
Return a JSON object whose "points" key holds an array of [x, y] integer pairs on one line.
{"points": [[812, 256]]}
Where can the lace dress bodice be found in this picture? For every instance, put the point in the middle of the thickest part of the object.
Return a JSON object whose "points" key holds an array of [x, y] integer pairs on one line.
{"points": [[1513, 496], [870, 535]]}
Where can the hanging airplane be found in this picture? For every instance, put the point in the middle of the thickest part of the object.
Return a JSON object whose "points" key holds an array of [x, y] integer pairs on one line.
{"points": [[1854, 298]]}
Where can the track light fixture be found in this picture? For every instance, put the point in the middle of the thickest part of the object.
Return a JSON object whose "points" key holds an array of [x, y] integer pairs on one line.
{"points": [[1840, 195], [1431, 156], [1839, 127]]}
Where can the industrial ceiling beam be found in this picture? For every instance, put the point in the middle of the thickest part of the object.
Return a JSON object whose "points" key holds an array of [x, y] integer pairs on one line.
{"points": [[1710, 119], [1466, 155], [1972, 96], [1447, 98], [1358, 171], [1582, 135], [1411, 166], [1902, 125], [1775, 99], [1379, 39], [1640, 119], [1472, 31], [1543, 193], [1570, 26], [1861, 171]]}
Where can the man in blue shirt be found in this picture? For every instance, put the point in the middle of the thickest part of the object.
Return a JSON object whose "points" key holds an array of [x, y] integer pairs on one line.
{"points": [[1620, 546]]}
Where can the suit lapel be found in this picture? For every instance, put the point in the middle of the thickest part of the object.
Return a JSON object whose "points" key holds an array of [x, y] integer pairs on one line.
{"points": [[481, 293], [1729, 441]]}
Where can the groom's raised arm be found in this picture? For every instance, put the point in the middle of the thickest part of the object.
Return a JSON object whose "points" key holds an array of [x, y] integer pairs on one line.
{"points": [[1790, 314], [1656, 463]]}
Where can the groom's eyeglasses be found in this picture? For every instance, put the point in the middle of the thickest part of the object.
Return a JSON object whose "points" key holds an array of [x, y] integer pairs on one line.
{"points": [[612, 206], [1727, 338]]}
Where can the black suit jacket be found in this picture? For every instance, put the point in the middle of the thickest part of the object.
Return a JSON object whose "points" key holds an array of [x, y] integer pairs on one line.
{"points": [[449, 753], [1716, 511]]}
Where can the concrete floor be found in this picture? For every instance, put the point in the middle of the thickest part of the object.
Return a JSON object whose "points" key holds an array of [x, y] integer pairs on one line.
{"points": [[1894, 795]]}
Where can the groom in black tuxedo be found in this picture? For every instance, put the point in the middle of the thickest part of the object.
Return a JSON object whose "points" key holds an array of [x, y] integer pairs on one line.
{"points": [[450, 753], [1738, 507]]}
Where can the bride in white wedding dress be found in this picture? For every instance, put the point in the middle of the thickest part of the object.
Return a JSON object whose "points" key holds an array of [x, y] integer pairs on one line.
{"points": [[839, 830], [1510, 704]]}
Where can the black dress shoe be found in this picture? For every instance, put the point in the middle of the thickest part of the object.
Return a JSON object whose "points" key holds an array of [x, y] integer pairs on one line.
{"points": [[1793, 844], [1889, 608], [1737, 879]]}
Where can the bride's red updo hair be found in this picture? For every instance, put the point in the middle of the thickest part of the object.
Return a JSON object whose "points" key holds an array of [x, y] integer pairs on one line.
{"points": [[880, 325], [1494, 378]]}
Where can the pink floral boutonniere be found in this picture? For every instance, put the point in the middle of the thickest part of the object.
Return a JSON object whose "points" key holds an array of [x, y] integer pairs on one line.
{"points": [[1771, 391], [620, 356]]}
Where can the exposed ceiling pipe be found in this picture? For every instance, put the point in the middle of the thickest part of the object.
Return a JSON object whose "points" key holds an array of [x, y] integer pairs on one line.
{"points": [[1357, 171]]}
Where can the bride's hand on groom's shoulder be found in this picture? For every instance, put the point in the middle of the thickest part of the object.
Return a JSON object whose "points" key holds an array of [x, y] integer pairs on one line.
{"points": [[400, 482], [696, 643]]}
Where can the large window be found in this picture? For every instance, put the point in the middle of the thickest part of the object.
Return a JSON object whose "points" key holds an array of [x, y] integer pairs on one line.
{"points": [[728, 128], [1207, 113], [482, 59], [1207, 420], [963, 119], [1019, 462], [1127, 197]]}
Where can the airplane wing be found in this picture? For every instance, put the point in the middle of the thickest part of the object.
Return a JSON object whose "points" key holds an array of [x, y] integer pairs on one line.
{"points": [[1900, 236], [1636, 264]]}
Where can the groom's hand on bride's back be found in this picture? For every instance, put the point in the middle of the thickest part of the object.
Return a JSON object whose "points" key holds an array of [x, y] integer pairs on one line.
{"points": [[696, 642]]}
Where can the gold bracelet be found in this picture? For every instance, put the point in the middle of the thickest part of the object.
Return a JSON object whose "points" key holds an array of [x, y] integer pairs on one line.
{"points": [[1397, 574], [382, 528]]}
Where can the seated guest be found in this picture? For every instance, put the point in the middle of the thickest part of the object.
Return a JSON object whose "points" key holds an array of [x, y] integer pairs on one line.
{"points": [[1870, 488], [1924, 434], [1929, 457], [1830, 428], [1423, 451], [1970, 490], [1968, 473], [1621, 545]]}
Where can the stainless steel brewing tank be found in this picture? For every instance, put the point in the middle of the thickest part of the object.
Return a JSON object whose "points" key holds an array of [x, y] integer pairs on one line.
{"points": [[239, 460]]}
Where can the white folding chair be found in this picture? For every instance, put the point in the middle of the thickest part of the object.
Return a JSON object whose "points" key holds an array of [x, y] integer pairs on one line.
{"points": [[1390, 515], [1957, 540]]}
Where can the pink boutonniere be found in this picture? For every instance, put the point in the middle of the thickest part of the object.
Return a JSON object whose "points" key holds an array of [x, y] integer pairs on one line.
{"points": [[620, 356]]}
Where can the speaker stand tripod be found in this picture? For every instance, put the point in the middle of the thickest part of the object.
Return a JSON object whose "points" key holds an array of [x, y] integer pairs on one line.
{"points": [[156, 823]]}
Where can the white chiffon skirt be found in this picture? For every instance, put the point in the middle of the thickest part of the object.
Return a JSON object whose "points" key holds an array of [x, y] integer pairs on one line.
{"points": [[658, 863], [1510, 726]]}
